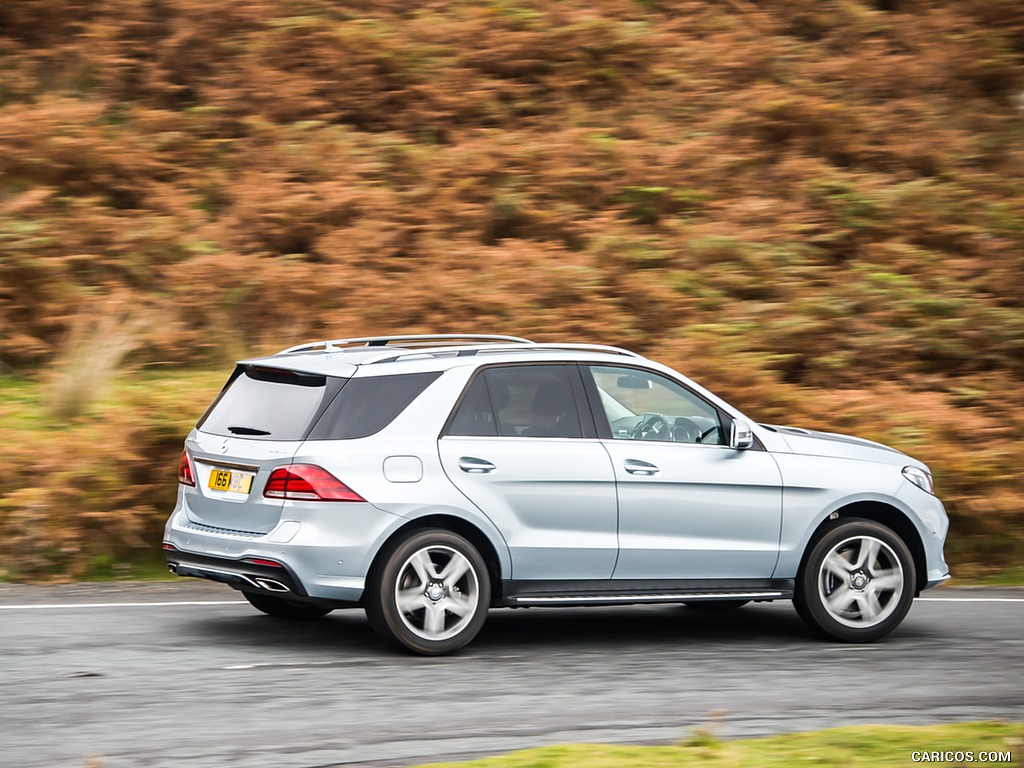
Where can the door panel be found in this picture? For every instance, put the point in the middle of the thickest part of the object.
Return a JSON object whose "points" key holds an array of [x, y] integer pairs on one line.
{"points": [[552, 499], [690, 507], [706, 512], [515, 447]]}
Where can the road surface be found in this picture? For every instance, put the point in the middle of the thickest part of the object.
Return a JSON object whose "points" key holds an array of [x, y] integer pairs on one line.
{"points": [[185, 675]]}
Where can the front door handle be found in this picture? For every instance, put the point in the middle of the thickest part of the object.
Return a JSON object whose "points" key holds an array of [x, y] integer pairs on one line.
{"points": [[475, 466], [637, 467]]}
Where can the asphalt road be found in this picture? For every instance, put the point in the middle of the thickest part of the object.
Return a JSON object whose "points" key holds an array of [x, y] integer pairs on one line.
{"points": [[123, 673]]}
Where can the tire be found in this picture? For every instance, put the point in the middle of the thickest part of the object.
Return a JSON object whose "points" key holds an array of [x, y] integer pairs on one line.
{"points": [[284, 609], [716, 606], [415, 604], [857, 582]]}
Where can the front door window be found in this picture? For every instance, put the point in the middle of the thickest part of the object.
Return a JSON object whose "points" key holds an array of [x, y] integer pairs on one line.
{"points": [[641, 405]]}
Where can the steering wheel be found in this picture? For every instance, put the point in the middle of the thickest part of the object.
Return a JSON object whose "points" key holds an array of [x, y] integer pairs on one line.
{"points": [[685, 430], [654, 427]]}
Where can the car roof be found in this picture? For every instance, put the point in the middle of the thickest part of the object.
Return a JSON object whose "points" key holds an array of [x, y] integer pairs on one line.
{"points": [[408, 354]]}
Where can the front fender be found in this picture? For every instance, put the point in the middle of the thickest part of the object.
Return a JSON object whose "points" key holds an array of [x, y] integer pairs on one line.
{"points": [[814, 487]]}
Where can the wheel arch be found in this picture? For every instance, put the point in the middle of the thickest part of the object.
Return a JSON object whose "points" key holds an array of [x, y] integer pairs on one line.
{"points": [[458, 525], [885, 514]]}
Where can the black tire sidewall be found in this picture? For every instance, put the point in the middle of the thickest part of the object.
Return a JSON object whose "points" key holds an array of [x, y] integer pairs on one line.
{"points": [[382, 610], [715, 606], [283, 609], [808, 599]]}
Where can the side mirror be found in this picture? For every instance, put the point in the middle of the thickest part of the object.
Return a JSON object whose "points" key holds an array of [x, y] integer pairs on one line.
{"points": [[740, 436]]}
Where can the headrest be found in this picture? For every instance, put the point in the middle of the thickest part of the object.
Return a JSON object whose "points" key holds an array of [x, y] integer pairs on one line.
{"points": [[551, 399]]}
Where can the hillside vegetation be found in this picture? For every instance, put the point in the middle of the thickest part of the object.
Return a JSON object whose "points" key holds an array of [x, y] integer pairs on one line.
{"points": [[813, 207]]}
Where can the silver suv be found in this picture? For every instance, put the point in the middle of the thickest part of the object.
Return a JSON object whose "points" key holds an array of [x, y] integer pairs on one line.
{"points": [[429, 478]]}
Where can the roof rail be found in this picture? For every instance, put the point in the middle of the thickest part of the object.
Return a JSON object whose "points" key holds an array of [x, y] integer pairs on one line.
{"points": [[464, 351], [418, 340]]}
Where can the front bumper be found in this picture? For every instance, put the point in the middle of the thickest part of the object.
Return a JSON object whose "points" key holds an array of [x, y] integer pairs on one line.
{"points": [[929, 516]]}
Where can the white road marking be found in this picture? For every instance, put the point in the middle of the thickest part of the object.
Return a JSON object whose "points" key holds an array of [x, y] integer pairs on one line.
{"points": [[269, 664], [58, 606], [973, 599]]}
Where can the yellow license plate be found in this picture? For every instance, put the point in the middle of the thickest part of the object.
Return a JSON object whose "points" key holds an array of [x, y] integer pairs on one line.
{"points": [[235, 482]]}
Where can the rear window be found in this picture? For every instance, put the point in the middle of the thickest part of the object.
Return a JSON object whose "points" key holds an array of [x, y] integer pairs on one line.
{"points": [[365, 406], [266, 404]]}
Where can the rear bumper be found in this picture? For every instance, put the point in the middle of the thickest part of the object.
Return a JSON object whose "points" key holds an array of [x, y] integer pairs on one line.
{"points": [[318, 561], [248, 577], [236, 573]]}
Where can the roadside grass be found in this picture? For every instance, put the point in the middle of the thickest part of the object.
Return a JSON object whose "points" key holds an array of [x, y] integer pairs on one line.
{"points": [[1011, 577], [871, 746]]}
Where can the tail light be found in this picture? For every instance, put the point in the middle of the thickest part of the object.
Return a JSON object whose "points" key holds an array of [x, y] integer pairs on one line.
{"points": [[262, 561], [307, 482], [186, 476]]}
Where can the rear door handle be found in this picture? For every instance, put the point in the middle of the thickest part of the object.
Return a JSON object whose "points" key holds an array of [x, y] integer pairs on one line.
{"points": [[637, 467], [475, 466]]}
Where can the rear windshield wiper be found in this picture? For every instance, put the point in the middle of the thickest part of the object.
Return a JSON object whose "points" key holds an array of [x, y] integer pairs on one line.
{"points": [[247, 431]]}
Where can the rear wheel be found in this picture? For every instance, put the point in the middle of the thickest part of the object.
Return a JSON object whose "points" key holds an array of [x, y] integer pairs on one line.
{"points": [[430, 594], [284, 609], [857, 583]]}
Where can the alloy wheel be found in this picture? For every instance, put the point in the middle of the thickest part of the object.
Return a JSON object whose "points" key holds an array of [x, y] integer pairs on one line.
{"points": [[861, 582]]}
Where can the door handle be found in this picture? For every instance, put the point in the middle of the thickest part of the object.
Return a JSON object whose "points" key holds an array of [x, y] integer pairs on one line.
{"points": [[475, 466], [637, 467]]}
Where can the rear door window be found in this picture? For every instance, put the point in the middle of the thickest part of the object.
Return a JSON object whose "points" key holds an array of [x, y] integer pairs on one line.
{"points": [[475, 414], [519, 401], [266, 404]]}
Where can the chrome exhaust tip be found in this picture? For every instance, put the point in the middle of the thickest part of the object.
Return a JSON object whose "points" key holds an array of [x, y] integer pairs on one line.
{"points": [[270, 585], [172, 567]]}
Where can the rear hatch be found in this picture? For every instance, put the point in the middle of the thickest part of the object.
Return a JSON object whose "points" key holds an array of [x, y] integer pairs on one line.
{"points": [[256, 424]]}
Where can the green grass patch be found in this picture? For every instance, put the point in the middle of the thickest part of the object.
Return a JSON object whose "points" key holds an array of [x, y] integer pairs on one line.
{"points": [[145, 566], [180, 397], [86, 497], [874, 746], [1011, 577]]}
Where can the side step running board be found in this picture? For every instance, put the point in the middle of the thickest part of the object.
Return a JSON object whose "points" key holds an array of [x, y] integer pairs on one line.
{"points": [[629, 591], [651, 598]]}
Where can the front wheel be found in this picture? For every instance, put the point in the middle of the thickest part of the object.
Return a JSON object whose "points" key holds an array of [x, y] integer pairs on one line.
{"points": [[430, 594], [857, 582]]}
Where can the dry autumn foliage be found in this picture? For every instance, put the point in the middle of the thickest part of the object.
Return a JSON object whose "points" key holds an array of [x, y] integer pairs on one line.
{"points": [[814, 207]]}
